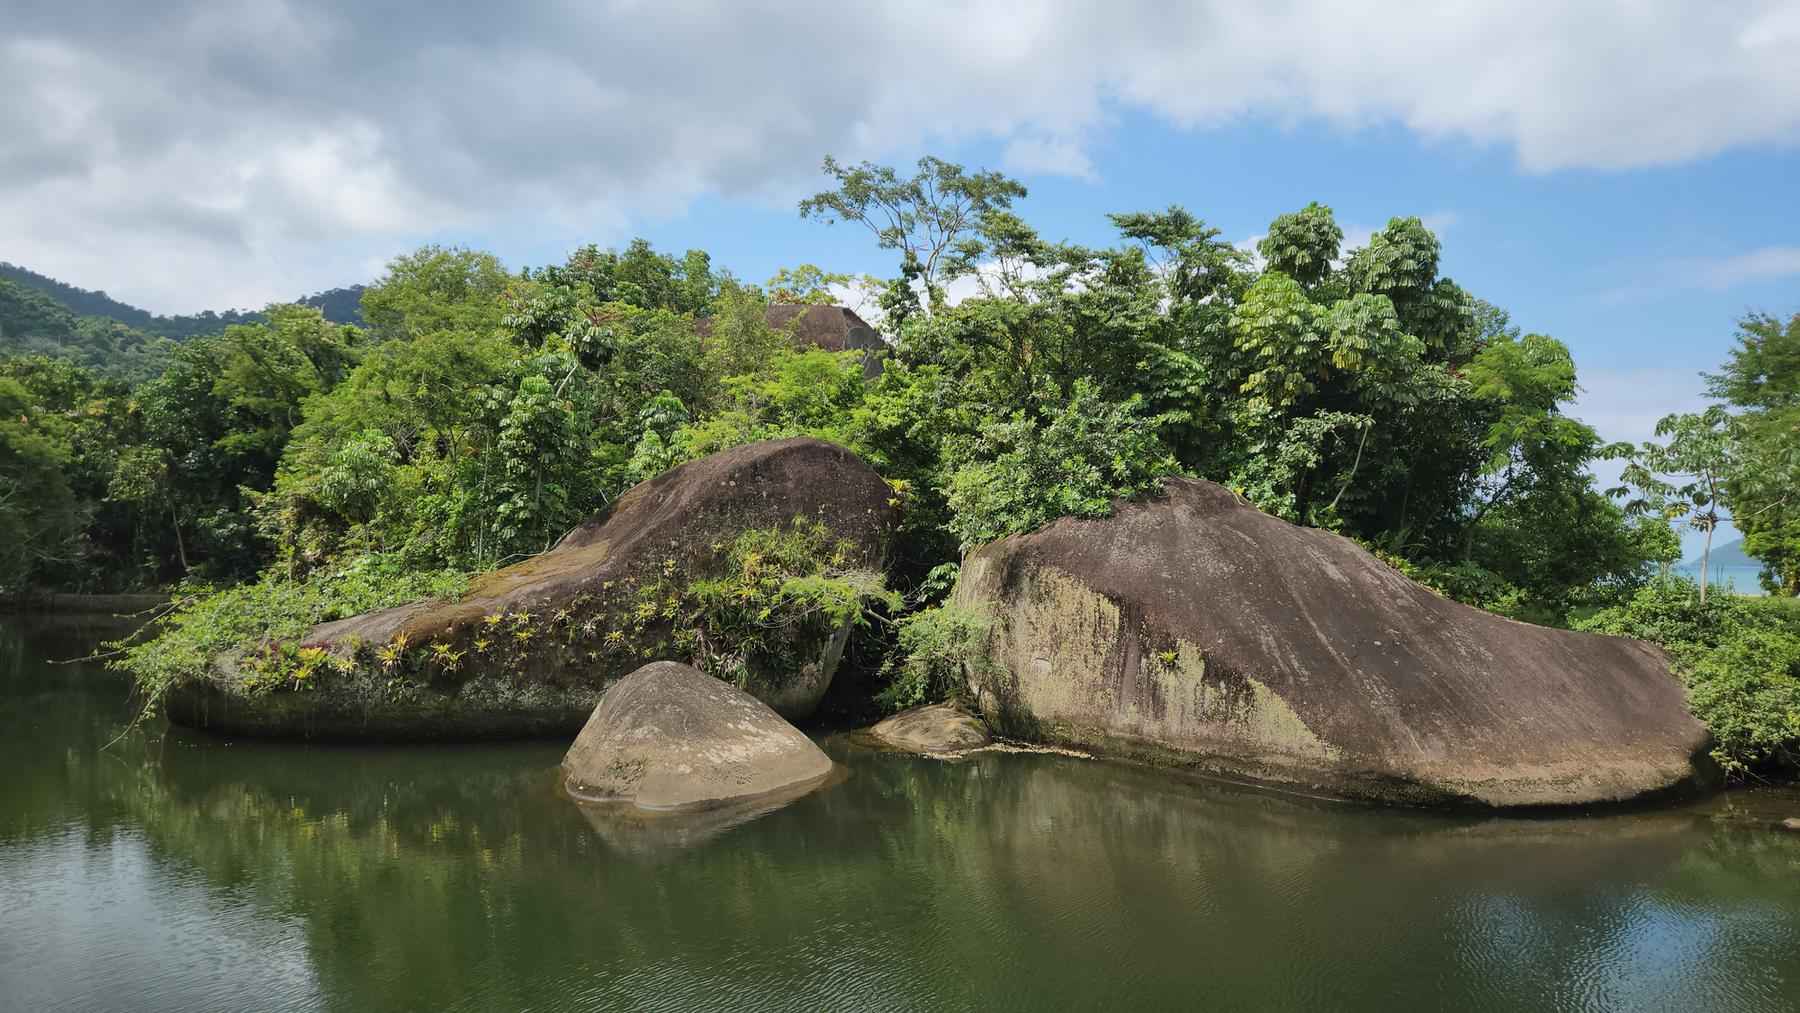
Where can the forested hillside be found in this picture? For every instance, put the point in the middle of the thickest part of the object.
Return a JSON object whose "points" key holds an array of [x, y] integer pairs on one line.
{"points": [[40, 315], [32, 323], [481, 413]]}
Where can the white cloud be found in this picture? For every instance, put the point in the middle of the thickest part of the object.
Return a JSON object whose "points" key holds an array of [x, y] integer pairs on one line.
{"points": [[228, 150], [1626, 404], [1048, 156], [1765, 264]]}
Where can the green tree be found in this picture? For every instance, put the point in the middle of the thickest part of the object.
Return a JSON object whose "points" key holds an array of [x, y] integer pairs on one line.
{"points": [[1684, 477], [40, 517], [268, 370], [639, 277], [1530, 444], [141, 477], [931, 217], [436, 288], [807, 284], [1762, 380], [1303, 245]]}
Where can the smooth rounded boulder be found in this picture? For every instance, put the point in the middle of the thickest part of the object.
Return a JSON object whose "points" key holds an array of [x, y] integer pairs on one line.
{"points": [[671, 737], [933, 728], [1191, 628], [530, 648]]}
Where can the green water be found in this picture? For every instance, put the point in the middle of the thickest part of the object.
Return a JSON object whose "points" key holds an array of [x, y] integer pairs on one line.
{"points": [[175, 872]]}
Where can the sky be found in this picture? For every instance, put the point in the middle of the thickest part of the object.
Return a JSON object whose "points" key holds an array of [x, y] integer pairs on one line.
{"points": [[1623, 175]]}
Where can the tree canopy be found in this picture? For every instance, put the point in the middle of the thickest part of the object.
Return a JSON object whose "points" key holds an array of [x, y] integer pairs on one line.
{"points": [[478, 413]]}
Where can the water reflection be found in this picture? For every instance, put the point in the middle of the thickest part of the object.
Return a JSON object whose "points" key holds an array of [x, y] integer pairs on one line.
{"points": [[463, 879], [658, 835]]}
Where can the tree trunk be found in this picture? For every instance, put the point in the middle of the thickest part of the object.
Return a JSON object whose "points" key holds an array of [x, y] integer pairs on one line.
{"points": [[1705, 562], [180, 546], [1353, 466]]}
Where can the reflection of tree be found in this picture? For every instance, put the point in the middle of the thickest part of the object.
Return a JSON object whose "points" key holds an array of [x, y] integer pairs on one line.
{"points": [[447, 876], [53, 721], [461, 878]]}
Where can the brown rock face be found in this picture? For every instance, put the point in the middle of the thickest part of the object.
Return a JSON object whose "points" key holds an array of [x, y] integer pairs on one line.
{"points": [[535, 640], [833, 328], [933, 728], [669, 736], [1193, 628]]}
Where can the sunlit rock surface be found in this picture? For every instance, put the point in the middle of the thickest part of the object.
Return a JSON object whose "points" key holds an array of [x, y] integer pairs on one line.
{"points": [[933, 728], [669, 736], [1192, 628]]}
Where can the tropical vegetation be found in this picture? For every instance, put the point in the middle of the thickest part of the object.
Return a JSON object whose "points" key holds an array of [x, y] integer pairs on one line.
{"points": [[472, 414]]}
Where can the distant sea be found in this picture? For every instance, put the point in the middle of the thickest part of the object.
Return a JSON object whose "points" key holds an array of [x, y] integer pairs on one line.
{"points": [[1740, 578]]}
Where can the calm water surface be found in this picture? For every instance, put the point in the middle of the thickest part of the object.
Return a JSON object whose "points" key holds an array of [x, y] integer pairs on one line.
{"points": [[174, 872]]}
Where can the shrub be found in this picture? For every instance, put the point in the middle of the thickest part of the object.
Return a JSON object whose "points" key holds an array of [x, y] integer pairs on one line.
{"points": [[936, 646], [1068, 460], [269, 614], [1748, 692], [780, 593], [1740, 660]]}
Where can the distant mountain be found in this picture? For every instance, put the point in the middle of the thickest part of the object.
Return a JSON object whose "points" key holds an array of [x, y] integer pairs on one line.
{"points": [[1728, 554], [32, 323], [338, 304], [42, 316], [1727, 565]]}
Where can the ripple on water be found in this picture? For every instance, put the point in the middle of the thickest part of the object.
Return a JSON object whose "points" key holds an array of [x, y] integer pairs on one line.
{"points": [[105, 925]]}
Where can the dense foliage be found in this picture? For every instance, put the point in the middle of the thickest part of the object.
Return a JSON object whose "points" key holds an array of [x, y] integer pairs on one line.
{"points": [[1740, 657], [480, 413], [1762, 380]]}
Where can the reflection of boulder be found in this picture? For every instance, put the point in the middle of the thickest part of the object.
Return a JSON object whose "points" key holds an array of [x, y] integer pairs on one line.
{"points": [[537, 642], [1127, 884], [1192, 628], [671, 737], [933, 728], [648, 833]]}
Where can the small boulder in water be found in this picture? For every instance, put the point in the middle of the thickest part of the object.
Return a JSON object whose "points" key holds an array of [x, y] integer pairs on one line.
{"points": [[669, 736], [934, 728]]}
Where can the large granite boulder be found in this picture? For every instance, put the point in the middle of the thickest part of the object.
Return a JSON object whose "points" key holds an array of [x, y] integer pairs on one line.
{"points": [[669, 736], [832, 328], [1190, 627], [530, 648]]}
